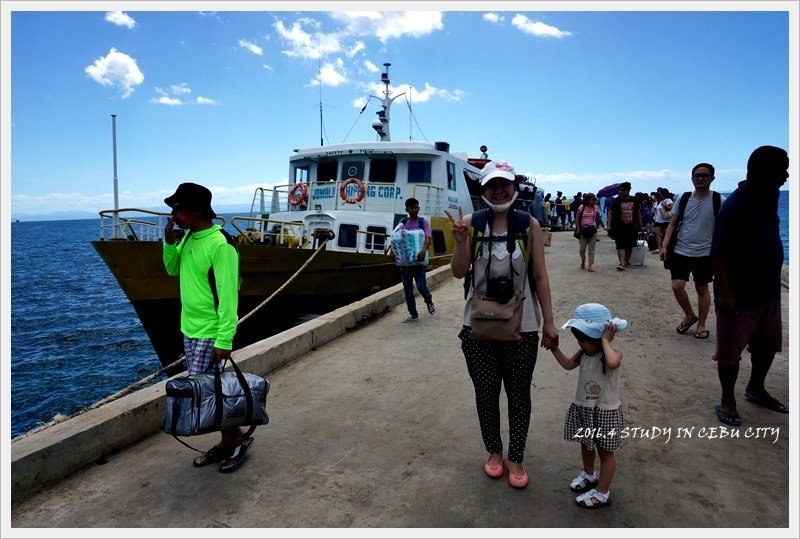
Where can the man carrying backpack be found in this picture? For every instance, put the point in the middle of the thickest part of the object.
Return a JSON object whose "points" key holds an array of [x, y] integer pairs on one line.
{"points": [[207, 264], [690, 250]]}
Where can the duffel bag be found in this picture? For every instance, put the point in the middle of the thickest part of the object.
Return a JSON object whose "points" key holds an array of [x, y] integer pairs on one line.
{"points": [[202, 403]]}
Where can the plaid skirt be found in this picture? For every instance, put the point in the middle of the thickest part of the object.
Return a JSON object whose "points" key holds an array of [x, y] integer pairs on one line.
{"points": [[593, 426]]}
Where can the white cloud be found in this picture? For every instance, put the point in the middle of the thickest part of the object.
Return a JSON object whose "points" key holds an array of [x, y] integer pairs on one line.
{"points": [[120, 19], [412, 94], [166, 100], [116, 68], [180, 89], [205, 101], [331, 74], [537, 29], [305, 45], [252, 47], [372, 68], [389, 25], [355, 49], [493, 18], [268, 67]]}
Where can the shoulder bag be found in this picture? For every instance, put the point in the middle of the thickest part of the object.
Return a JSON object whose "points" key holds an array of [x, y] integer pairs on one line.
{"points": [[494, 316]]}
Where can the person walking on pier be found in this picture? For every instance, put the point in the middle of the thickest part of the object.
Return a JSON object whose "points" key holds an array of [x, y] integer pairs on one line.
{"points": [[588, 222], [747, 257], [414, 270], [688, 248], [624, 223], [595, 416], [207, 265], [498, 258]]}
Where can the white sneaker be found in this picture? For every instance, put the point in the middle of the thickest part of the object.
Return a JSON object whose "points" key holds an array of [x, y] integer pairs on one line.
{"points": [[411, 319]]}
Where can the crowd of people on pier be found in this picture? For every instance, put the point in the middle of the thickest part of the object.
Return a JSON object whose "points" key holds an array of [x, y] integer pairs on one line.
{"points": [[733, 243]]}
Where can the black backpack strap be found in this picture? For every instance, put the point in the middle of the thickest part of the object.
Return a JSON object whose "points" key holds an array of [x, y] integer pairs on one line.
{"points": [[212, 280]]}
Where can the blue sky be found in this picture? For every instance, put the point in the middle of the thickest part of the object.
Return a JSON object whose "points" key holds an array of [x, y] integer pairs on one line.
{"points": [[578, 99]]}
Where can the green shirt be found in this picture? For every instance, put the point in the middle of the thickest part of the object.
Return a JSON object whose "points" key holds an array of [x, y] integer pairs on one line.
{"points": [[191, 260]]}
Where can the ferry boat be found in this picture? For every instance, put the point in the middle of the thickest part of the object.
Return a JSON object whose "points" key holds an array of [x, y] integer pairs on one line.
{"points": [[319, 241]]}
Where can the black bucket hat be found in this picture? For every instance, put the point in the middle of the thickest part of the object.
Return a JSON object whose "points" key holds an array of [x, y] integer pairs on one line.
{"points": [[192, 196]]}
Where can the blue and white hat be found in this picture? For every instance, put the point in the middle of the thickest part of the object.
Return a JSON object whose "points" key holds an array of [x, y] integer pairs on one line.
{"points": [[590, 319]]}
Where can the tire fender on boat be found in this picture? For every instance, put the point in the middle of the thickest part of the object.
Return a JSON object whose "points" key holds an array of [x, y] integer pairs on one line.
{"points": [[362, 191], [298, 194]]}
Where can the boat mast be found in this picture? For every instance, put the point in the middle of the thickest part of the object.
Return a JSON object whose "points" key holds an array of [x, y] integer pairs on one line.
{"points": [[381, 125], [116, 193]]}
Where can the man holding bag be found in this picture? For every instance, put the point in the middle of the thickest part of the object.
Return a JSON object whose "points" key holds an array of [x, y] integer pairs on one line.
{"points": [[504, 258], [208, 308]]}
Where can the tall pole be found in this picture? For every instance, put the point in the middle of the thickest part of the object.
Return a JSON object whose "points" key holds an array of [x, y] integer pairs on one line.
{"points": [[117, 235]]}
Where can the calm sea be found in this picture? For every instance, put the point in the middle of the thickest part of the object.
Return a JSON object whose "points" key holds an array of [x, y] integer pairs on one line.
{"points": [[75, 339]]}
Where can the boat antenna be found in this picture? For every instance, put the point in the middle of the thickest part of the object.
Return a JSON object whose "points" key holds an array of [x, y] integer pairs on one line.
{"points": [[381, 124], [319, 79], [116, 189], [410, 92]]}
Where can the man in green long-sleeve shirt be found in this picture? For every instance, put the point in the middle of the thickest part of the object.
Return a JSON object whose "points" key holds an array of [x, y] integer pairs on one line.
{"points": [[208, 269]]}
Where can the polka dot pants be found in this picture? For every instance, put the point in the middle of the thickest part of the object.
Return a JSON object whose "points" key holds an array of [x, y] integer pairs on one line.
{"points": [[511, 364]]}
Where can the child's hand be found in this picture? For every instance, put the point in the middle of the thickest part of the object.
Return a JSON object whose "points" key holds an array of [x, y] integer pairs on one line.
{"points": [[609, 331]]}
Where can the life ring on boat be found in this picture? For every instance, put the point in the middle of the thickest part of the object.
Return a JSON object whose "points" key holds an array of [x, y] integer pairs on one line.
{"points": [[298, 194], [362, 191]]}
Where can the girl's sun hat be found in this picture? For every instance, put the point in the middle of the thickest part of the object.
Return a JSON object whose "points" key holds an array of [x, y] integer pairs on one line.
{"points": [[591, 318]]}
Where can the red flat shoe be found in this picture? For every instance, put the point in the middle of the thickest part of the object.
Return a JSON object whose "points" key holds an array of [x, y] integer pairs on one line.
{"points": [[518, 481], [495, 471]]}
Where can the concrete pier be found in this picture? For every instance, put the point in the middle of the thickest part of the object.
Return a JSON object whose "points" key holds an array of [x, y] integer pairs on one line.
{"points": [[373, 424]]}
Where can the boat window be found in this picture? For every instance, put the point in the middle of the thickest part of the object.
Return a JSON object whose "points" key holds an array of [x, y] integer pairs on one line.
{"points": [[326, 170], [376, 241], [419, 171], [473, 183], [439, 245], [301, 174], [382, 170], [353, 169], [451, 176], [348, 236]]}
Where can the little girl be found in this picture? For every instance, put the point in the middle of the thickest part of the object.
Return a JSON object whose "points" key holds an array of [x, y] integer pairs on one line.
{"points": [[595, 416]]}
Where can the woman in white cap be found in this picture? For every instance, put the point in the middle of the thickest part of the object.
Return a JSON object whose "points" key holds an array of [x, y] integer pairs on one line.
{"points": [[595, 416], [507, 363]]}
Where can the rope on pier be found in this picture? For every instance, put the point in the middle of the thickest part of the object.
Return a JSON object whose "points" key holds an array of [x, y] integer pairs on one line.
{"points": [[145, 380]]}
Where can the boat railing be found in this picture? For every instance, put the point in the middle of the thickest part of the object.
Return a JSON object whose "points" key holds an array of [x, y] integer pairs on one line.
{"points": [[136, 224], [271, 231], [372, 242]]}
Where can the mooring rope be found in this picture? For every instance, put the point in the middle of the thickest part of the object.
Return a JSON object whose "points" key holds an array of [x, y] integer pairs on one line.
{"points": [[143, 381]]}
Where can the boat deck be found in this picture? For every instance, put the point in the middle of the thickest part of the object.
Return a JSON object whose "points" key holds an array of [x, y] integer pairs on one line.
{"points": [[377, 428]]}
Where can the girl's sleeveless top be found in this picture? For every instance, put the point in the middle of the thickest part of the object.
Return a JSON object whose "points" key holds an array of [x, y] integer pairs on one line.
{"points": [[596, 389], [531, 312]]}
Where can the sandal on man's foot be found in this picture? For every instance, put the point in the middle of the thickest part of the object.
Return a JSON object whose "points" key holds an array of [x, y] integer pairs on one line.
{"points": [[583, 482], [593, 499], [236, 456], [684, 327], [767, 402], [728, 418], [215, 454]]}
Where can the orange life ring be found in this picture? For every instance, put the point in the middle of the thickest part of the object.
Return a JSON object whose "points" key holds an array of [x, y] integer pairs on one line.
{"points": [[362, 191], [296, 198]]}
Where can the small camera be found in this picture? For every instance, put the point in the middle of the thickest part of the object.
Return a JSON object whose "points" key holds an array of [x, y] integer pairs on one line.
{"points": [[500, 289]]}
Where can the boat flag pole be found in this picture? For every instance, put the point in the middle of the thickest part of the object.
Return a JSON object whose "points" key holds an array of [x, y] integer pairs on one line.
{"points": [[116, 195]]}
